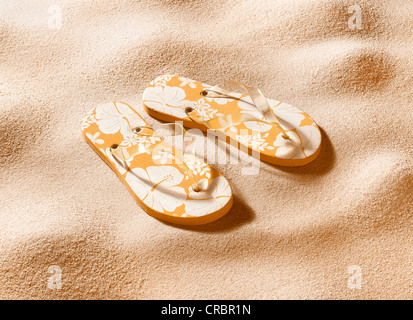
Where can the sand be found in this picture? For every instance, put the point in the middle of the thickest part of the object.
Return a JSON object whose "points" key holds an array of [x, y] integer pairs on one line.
{"points": [[293, 233]]}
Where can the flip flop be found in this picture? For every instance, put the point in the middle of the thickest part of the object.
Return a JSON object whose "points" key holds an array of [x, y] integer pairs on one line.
{"points": [[170, 185], [271, 130]]}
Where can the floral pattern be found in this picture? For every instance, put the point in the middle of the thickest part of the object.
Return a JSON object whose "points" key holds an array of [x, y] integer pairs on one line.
{"points": [[169, 100], [216, 196], [296, 147], [157, 187], [151, 172], [197, 166], [161, 81], [114, 117], [186, 81], [223, 100], [304, 134], [88, 119], [94, 138], [247, 106], [258, 126], [133, 139], [290, 117], [205, 110], [163, 156], [255, 141]]}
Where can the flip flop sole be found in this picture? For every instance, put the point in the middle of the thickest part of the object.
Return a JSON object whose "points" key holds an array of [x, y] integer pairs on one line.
{"points": [[160, 189], [252, 152], [167, 97]]}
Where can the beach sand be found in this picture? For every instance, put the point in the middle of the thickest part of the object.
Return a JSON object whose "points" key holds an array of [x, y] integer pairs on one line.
{"points": [[338, 228]]}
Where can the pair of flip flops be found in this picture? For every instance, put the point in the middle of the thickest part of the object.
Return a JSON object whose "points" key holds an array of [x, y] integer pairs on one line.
{"points": [[176, 186]]}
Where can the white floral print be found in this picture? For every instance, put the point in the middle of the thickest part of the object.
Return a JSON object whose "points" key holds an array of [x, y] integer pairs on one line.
{"points": [[161, 81], [255, 141], [210, 199], [162, 187], [115, 116], [289, 148], [224, 100], [205, 111], [94, 138], [186, 81], [310, 139], [247, 106], [298, 146], [168, 100], [157, 187], [289, 117], [163, 156], [87, 120], [232, 129], [244, 139], [197, 166], [258, 126], [132, 139]]}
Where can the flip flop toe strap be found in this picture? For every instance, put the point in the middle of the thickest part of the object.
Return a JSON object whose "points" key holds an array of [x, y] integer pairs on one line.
{"points": [[223, 123], [256, 95], [124, 154]]}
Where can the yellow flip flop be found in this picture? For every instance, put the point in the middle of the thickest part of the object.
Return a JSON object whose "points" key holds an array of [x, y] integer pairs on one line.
{"points": [[272, 130], [169, 184]]}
